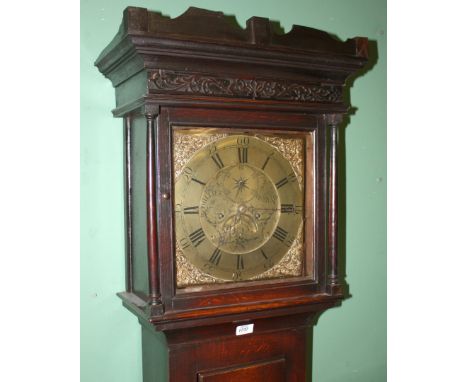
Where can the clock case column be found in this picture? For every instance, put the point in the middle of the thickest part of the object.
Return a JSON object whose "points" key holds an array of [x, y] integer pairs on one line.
{"points": [[200, 69]]}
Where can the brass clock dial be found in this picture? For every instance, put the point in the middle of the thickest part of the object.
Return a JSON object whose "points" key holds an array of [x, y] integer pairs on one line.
{"points": [[238, 207]]}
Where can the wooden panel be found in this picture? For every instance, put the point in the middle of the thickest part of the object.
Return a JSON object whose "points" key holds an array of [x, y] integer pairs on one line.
{"points": [[231, 358], [271, 371]]}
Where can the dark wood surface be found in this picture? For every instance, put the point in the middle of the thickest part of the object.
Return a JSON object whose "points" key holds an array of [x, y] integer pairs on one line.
{"points": [[271, 370], [240, 297], [200, 69], [278, 349], [219, 64]]}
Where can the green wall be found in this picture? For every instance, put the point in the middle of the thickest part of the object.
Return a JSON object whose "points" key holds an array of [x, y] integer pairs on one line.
{"points": [[349, 341]]}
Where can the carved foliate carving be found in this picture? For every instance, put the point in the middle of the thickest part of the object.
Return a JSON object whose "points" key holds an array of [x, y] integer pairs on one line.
{"points": [[167, 81]]}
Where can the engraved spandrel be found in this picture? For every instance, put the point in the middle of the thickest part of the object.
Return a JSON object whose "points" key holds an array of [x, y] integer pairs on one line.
{"points": [[186, 145]]}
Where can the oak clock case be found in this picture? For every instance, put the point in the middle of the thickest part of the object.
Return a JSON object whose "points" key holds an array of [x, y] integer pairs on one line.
{"points": [[231, 194]]}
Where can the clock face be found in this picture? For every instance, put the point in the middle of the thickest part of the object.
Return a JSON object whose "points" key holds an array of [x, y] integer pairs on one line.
{"points": [[238, 207]]}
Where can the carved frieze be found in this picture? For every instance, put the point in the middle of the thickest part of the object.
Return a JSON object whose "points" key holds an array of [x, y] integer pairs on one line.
{"points": [[168, 81]]}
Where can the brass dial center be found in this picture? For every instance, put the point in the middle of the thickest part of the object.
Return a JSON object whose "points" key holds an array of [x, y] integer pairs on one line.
{"points": [[240, 208]]}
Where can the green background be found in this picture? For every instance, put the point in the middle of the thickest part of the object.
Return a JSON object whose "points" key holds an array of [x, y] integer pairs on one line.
{"points": [[349, 341]]}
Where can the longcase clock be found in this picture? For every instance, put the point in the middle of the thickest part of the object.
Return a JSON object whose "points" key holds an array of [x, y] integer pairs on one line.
{"points": [[231, 141]]}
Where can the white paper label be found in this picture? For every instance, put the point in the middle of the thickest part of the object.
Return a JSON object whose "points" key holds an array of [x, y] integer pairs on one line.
{"points": [[244, 329]]}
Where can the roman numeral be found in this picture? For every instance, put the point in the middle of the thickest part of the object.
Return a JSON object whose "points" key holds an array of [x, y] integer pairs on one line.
{"points": [[197, 237], [242, 153], [191, 210], [215, 257], [288, 208], [289, 242], [217, 159], [280, 234], [290, 178], [281, 182], [263, 254], [184, 243], [266, 161], [240, 262], [199, 181]]}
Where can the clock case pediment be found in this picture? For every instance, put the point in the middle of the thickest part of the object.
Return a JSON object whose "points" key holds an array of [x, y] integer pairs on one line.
{"points": [[201, 70]]}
